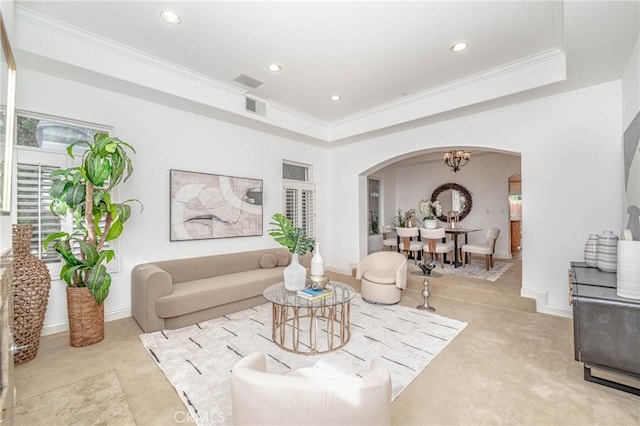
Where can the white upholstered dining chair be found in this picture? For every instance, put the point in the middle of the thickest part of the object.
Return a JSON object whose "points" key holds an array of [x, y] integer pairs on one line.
{"points": [[388, 237], [486, 249], [409, 242], [433, 245], [318, 395]]}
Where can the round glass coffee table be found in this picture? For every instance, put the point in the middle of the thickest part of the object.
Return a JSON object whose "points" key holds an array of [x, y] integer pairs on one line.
{"points": [[310, 327]]}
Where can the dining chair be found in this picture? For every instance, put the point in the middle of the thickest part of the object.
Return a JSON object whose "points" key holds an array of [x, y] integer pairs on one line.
{"points": [[434, 245], [409, 242], [388, 237], [486, 249]]}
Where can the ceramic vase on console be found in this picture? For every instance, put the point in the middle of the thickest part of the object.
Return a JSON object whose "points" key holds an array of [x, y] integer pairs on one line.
{"points": [[628, 276], [590, 249], [607, 251], [430, 223], [295, 275]]}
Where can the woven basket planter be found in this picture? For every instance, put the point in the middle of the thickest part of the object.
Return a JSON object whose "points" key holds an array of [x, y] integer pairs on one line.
{"points": [[30, 283], [86, 317]]}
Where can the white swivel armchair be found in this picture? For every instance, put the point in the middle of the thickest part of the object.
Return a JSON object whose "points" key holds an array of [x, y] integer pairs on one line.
{"points": [[484, 249], [317, 395], [384, 276], [434, 245]]}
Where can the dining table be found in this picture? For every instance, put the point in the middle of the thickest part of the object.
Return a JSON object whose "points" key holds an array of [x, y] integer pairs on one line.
{"points": [[455, 232]]}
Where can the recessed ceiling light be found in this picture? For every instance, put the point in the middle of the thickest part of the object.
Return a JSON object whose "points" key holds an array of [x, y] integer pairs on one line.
{"points": [[335, 98], [170, 17], [275, 68], [459, 47]]}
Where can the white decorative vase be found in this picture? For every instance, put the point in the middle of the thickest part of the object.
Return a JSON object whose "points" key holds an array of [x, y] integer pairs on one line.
{"points": [[430, 223], [628, 277], [317, 263], [295, 275], [607, 251], [590, 249]]}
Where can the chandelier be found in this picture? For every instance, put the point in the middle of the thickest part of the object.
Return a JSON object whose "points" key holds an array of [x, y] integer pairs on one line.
{"points": [[456, 159]]}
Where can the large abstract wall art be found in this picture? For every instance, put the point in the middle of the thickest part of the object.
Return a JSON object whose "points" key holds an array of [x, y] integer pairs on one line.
{"points": [[205, 206], [631, 153]]}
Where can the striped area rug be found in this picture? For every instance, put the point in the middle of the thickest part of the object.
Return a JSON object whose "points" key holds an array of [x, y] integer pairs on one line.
{"points": [[197, 360]]}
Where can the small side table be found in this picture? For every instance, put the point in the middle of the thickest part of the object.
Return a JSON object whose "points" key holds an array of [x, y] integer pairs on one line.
{"points": [[425, 291]]}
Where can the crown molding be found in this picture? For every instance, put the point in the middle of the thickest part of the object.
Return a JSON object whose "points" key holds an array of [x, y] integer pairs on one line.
{"points": [[548, 66], [28, 15], [511, 67]]}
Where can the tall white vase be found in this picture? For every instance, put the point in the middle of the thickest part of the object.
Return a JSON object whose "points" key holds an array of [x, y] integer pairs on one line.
{"points": [[317, 263], [628, 277], [295, 275]]}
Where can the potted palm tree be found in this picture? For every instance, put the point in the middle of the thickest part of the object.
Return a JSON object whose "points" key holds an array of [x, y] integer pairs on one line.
{"points": [[298, 243], [85, 194]]}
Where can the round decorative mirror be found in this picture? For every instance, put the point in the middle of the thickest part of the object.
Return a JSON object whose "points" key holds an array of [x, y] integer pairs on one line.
{"points": [[452, 197]]}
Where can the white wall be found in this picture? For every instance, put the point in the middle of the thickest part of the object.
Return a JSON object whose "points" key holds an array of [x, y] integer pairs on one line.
{"points": [[571, 175], [631, 86], [165, 139], [486, 177]]}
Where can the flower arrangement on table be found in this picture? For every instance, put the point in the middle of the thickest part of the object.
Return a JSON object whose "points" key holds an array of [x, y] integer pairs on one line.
{"points": [[430, 209]]}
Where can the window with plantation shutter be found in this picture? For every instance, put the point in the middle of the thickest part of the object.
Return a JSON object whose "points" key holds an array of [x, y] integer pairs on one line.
{"points": [[32, 206], [33, 181], [299, 197]]}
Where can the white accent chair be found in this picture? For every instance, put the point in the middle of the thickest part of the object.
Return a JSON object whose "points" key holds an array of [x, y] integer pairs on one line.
{"points": [[318, 395], [384, 276], [407, 244], [434, 245], [484, 249], [388, 237]]}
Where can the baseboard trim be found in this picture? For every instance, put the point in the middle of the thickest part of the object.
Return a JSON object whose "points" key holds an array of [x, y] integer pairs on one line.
{"points": [[61, 327], [342, 271], [542, 303]]}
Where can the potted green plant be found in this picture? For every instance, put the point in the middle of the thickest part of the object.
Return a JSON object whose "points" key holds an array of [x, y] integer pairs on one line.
{"points": [[298, 242], [400, 219], [85, 193]]}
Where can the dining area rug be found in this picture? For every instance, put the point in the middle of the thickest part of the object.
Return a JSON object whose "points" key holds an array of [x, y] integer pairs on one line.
{"points": [[197, 360], [476, 269]]}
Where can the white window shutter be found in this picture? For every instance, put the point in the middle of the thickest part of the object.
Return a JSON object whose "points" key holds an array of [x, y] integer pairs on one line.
{"points": [[32, 198], [299, 205]]}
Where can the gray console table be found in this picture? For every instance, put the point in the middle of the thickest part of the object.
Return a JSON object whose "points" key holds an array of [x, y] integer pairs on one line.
{"points": [[606, 327]]}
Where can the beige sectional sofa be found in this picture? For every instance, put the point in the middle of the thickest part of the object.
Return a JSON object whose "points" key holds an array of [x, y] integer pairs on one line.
{"points": [[171, 294]]}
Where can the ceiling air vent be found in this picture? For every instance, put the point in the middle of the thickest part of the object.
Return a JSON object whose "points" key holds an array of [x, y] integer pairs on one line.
{"points": [[256, 106], [248, 81]]}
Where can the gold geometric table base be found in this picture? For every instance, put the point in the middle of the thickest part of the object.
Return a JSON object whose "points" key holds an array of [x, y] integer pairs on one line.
{"points": [[288, 334]]}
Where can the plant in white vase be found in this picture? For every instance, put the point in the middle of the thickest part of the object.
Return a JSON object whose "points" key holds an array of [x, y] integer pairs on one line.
{"points": [[431, 210], [298, 243]]}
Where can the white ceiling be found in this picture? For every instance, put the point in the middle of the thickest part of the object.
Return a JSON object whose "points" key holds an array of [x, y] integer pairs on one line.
{"points": [[370, 53]]}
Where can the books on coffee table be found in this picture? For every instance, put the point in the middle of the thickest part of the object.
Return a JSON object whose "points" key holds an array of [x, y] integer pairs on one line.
{"points": [[311, 294]]}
